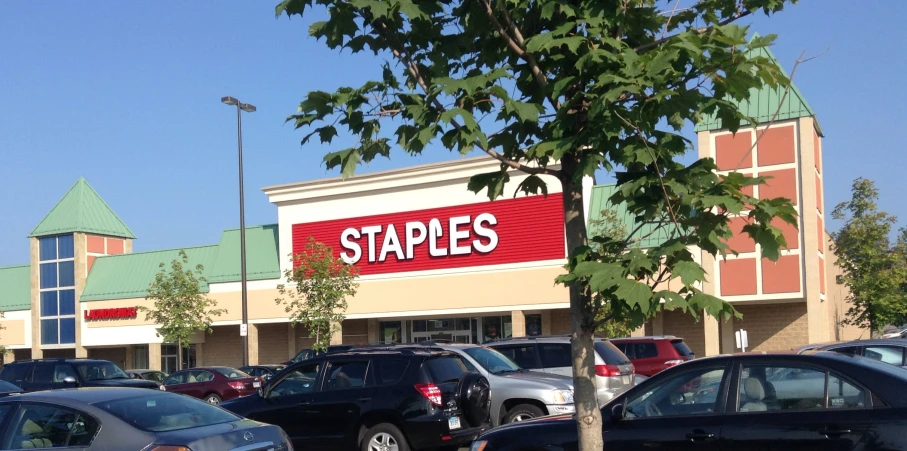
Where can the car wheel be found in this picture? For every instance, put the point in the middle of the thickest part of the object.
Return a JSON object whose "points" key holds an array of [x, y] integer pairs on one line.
{"points": [[384, 437], [522, 412], [212, 399]]}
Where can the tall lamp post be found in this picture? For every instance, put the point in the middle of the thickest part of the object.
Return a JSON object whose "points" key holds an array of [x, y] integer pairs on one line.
{"points": [[244, 327]]}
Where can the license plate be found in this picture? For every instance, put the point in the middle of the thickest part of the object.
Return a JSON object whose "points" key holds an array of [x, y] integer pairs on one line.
{"points": [[626, 380], [256, 384], [453, 423]]}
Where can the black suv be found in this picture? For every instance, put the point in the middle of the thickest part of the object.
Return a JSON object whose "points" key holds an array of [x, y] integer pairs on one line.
{"points": [[49, 374], [384, 399], [308, 353]]}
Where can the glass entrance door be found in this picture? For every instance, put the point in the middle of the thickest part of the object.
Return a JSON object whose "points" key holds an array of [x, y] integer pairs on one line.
{"points": [[455, 329]]}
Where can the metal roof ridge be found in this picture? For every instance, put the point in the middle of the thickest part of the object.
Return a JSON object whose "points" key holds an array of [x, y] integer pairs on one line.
{"points": [[160, 250], [21, 265], [252, 227]]}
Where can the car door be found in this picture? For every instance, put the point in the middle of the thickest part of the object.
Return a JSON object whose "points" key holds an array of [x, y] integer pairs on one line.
{"points": [[676, 413], [47, 426], [556, 358], [342, 398], [177, 382], [42, 377], [287, 402], [645, 358], [791, 406]]}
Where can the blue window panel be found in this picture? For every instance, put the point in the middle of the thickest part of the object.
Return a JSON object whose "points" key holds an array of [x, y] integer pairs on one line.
{"points": [[49, 303], [49, 332], [65, 244], [48, 275], [67, 274], [67, 330], [67, 302], [47, 248]]}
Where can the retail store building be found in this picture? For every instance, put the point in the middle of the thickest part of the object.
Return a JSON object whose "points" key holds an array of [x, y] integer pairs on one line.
{"points": [[436, 261]]}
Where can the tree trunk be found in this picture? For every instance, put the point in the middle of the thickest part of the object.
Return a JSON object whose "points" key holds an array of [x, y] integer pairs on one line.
{"points": [[588, 414]]}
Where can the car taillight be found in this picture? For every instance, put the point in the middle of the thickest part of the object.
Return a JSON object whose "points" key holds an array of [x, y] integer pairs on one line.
{"points": [[607, 370], [237, 385], [671, 363], [169, 448], [431, 392]]}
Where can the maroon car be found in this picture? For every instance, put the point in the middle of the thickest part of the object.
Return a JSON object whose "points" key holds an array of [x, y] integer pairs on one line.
{"points": [[213, 384]]}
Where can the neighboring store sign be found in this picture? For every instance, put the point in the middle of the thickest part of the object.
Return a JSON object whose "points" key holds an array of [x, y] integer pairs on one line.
{"points": [[488, 233], [111, 313]]}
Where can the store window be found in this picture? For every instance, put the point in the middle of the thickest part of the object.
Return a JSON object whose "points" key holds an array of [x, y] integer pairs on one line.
{"points": [[140, 357], [169, 353], [496, 327], [57, 287], [390, 332], [533, 325]]}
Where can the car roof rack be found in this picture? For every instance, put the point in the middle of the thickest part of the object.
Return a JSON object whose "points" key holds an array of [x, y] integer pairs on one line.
{"points": [[534, 337]]}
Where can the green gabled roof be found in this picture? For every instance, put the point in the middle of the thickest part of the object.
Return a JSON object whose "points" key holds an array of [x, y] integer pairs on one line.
{"points": [[764, 102], [128, 276], [82, 210], [600, 201], [15, 288], [262, 259]]}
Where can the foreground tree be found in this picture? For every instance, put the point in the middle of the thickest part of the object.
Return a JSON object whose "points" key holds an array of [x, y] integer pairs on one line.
{"points": [[874, 269], [319, 286], [561, 89], [180, 309]]}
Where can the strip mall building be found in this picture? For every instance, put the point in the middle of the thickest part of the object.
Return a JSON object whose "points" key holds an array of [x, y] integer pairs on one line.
{"points": [[436, 261]]}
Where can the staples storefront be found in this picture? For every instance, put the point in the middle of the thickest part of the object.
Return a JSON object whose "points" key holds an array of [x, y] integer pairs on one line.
{"points": [[436, 261]]}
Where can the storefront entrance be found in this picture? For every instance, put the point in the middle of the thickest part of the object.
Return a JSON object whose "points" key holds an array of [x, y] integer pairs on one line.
{"points": [[460, 329]]}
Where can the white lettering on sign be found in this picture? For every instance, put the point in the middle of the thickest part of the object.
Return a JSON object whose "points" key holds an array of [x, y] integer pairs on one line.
{"points": [[416, 233]]}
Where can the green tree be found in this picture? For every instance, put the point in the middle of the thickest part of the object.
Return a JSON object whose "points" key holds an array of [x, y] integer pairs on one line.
{"points": [[563, 88], [611, 225], [319, 286], [873, 268], [180, 309]]}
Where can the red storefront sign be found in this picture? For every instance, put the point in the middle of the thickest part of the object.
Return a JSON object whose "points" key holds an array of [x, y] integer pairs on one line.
{"points": [[111, 313], [488, 233]]}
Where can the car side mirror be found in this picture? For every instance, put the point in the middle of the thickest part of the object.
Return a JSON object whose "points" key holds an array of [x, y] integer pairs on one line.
{"points": [[617, 412], [70, 380]]}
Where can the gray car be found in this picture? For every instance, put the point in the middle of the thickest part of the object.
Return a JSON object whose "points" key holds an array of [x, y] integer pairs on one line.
{"points": [[888, 350], [517, 394], [128, 419]]}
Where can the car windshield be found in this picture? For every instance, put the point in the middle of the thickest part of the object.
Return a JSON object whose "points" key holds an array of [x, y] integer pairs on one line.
{"points": [[162, 412], [95, 371], [231, 373], [493, 361]]}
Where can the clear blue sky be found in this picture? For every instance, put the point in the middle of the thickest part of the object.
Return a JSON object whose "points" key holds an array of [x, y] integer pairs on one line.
{"points": [[127, 94]]}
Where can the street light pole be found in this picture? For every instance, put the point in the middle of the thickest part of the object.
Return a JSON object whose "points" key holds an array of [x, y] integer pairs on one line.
{"points": [[244, 327]]}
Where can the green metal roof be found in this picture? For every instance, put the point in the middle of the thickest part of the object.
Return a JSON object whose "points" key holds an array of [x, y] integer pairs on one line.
{"points": [[128, 276], [15, 288], [262, 260], [764, 102], [82, 210], [600, 200]]}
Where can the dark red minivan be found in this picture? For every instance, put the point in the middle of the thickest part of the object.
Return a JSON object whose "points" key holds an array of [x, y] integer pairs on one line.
{"points": [[213, 384], [650, 355]]}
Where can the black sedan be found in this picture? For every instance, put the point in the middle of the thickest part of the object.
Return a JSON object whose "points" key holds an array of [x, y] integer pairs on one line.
{"points": [[812, 401], [127, 419]]}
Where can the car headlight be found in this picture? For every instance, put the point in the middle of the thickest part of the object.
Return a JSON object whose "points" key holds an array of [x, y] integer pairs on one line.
{"points": [[563, 396], [478, 445]]}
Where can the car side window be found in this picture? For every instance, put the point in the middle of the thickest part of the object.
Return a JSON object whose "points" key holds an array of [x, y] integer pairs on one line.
{"points": [[343, 375], [178, 378], [64, 370], [555, 355], [389, 371], [204, 376], [41, 426], [689, 393], [299, 381], [523, 355], [845, 395], [626, 348], [774, 388], [888, 354], [15, 373], [644, 350], [849, 350], [44, 373]]}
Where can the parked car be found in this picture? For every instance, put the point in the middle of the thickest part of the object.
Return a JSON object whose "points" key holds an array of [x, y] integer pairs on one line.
{"points": [[128, 419], [265, 372], [214, 384], [7, 389], [517, 394], [48, 374], [651, 355], [815, 400], [374, 399], [891, 350], [148, 375], [614, 373], [308, 353]]}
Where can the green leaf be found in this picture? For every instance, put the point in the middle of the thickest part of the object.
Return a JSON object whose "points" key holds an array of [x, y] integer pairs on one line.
{"points": [[634, 293], [347, 159], [524, 112], [327, 133], [532, 185], [492, 181], [689, 272]]}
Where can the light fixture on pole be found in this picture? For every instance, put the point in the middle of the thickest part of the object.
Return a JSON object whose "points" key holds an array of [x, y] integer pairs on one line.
{"points": [[244, 326]]}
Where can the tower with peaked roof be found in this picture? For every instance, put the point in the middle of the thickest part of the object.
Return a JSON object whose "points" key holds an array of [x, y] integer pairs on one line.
{"points": [[64, 245]]}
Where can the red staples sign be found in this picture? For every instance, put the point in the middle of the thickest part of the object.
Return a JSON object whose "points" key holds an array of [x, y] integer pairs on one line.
{"points": [[488, 233], [111, 313]]}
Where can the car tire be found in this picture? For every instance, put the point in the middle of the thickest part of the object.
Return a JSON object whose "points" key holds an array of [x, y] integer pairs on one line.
{"points": [[382, 437], [522, 412], [212, 399]]}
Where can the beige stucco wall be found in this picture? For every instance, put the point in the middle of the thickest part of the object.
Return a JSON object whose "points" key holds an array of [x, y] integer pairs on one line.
{"points": [[13, 332]]}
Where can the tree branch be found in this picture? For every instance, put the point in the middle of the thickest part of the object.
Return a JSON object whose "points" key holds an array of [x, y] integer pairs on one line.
{"points": [[657, 42]]}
